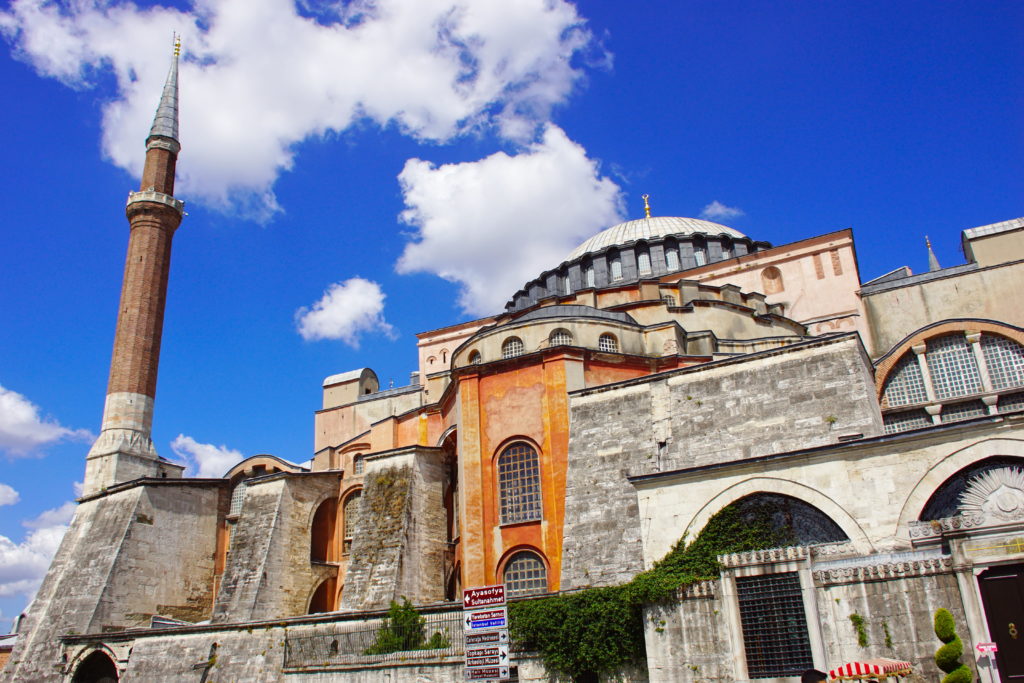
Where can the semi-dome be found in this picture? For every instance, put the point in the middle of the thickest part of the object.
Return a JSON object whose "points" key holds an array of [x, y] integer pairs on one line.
{"points": [[650, 228]]}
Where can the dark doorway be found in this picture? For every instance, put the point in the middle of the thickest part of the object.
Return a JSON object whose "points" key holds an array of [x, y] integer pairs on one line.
{"points": [[96, 668], [1002, 591]]}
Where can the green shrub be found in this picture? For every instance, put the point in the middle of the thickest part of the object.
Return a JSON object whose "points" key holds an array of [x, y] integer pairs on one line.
{"points": [[948, 656], [403, 630]]}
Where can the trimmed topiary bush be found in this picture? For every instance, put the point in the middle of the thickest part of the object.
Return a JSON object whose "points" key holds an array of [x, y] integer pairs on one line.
{"points": [[947, 657]]}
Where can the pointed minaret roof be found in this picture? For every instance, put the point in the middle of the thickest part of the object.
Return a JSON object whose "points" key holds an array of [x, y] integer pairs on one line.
{"points": [[165, 123], [933, 263]]}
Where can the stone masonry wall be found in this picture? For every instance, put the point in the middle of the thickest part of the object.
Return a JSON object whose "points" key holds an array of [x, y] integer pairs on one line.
{"points": [[127, 555], [770, 402], [268, 573]]}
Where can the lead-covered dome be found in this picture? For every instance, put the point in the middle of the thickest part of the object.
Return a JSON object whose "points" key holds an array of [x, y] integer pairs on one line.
{"points": [[650, 228]]}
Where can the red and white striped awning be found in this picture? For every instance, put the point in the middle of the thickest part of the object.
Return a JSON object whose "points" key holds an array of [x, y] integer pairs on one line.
{"points": [[871, 668]]}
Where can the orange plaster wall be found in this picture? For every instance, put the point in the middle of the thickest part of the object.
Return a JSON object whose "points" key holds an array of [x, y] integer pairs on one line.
{"points": [[597, 373]]}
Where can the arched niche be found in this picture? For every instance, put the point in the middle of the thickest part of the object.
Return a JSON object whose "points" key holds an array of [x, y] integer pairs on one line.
{"points": [[322, 537], [324, 597], [97, 667], [945, 501]]}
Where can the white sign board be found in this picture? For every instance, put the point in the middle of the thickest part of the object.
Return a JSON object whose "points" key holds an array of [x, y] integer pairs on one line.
{"points": [[485, 619], [488, 655], [493, 673], [486, 637]]}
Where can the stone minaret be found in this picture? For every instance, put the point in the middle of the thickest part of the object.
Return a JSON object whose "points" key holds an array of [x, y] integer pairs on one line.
{"points": [[124, 449]]}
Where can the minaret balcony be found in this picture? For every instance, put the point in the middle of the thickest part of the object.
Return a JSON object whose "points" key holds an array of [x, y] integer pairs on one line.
{"points": [[156, 197]]}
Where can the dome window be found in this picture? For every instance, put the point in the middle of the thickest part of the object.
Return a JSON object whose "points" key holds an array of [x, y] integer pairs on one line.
{"points": [[615, 265], [672, 258], [643, 262], [512, 347], [474, 357], [561, 337], [608, 343]]}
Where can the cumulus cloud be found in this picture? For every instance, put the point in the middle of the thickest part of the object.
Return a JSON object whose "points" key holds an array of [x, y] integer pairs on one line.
{"points": [[716, 210], [259, 76], [346, 310], [24, 431], [8, 496], [492, 225], [204, 459], [23, 565]]}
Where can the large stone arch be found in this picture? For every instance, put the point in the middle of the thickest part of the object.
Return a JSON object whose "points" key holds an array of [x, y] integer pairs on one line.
{"points": [[945, 468], [775, 485], [97, 664]]}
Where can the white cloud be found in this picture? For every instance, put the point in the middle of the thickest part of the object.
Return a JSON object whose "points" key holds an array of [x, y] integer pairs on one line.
{"points": [[23, 431], [494, 224], [23, 565], [259, 76], [716, 210], [346, 310], [8, 496], [205, 459]]}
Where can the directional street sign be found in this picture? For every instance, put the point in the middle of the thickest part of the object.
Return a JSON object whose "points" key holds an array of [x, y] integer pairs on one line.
{"points": [[485, 619], [494, 655], [494, 673], [485, 637], [982, 647], [485, 596]]}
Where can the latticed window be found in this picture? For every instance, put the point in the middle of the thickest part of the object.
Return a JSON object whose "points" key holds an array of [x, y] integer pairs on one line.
{"points": [[588, 275], [561, 337], [512, 347], [237, 496], [524, 574], [911, 419], [609, 343], [474, 357], [963, 411], [519, 484], [906, 384], [351, 514], [358, 464], [774, 625], [700, 256], [672, 259], [616, 268], [1011, 403], [643, 262], [566, 285], [952, 366], [1005, 361]]}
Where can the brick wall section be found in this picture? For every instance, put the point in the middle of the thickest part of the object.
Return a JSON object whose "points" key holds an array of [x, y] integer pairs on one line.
{"points": [[126, 556], [772, 402], [268, 573], [158, 172]]}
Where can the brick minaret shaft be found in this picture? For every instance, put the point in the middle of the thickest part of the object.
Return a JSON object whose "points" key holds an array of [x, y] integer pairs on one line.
{"points": [[124, 449]]}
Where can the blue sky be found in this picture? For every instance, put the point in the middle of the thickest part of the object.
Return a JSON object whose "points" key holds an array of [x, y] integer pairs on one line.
{"points": [[359, 172]]}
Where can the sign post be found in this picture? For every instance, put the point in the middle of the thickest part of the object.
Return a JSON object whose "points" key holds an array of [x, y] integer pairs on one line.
{"points": [[485, 620]]}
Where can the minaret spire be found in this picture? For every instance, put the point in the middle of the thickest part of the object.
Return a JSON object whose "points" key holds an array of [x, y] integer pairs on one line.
{"points": [[124, 449], [933, 262]]}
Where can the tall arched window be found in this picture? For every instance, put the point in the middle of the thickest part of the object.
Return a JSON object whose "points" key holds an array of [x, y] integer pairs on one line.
{"points": [[953, 367], [323, 597], [771, 280], [358, 464], [525, 574], [615, 265], [700, 253], [1005, 361], [588, 275], [350, 517], [560, 337], [671, 257], [519, 484], [512, 347], [608, 342], [643, 262]]}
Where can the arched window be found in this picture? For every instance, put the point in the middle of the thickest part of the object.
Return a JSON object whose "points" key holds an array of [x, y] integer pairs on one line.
{"points": [[700, 253], [953, 367], [726, 250], [560, 337], [771, 280], [237, 497], [321, 535], [358, 464], [1005, 360], [588, 275], [474, 357], [608, 342], [905, 385], [525, 574], [444, 355], [643, 262], [350, 517], [566, 284], [615, 265], [98, 666], [512, 347], [519, 484], [948, 498], [430, 361], [672, 258]]}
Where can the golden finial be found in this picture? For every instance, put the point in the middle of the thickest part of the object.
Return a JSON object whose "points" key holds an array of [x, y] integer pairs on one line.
{"points": [[647, 206], [927, 242], [177, 45]]}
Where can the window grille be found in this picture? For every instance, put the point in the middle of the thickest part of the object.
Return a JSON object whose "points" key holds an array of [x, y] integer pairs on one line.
{"points": [[237, 496], [512, 347], [643, 263], [906, 384], [1005, 360], [1011, 403], [774, 626], [519, 484], [608, 343], [902, 422], [672, 259], [351, 514], [669, 299], [474, 357], [561, 337], [525, 574], [616, 266], [952, 366], [963, 411], [358, 464]]}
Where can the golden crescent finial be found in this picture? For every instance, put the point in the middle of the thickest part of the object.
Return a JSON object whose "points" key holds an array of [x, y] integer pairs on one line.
{"points": [[647, 206], [927, 242], [177, 45]]}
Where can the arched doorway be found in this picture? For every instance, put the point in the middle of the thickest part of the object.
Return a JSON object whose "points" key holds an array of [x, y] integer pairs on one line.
{"points": [[98, 667]]}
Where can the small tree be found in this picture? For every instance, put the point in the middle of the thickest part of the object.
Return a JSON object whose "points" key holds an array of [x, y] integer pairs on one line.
{"points": [[947, 657], [403, 630]]}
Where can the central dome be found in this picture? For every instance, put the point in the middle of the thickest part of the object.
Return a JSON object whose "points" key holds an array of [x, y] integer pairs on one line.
{"points": [[650, 228]]}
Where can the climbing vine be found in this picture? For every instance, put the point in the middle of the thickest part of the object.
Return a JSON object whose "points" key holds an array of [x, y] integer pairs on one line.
{"points": [[404, 629], [600, 630]]}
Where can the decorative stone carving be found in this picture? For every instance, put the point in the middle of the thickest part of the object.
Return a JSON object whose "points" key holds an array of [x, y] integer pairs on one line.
{"points": [[700, 589], [996, 494], [937, 527], [881, 572], [764, 556]]}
